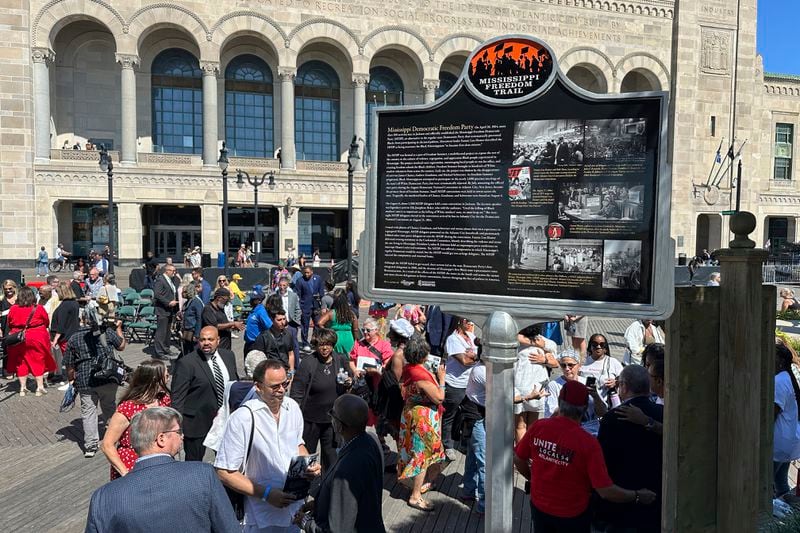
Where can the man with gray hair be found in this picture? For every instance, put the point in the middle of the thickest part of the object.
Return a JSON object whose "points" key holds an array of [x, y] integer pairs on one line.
{"points": [[564, 463], [633, 455], [160, 494]]}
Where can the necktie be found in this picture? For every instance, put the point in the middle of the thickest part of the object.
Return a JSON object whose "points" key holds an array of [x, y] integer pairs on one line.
{"points": [[219, 382]]}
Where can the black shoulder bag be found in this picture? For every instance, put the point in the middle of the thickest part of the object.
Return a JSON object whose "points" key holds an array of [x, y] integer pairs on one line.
{"points": [[237, 498], [19, 336]]}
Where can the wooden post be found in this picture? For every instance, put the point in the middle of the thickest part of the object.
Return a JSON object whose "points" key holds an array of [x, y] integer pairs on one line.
{"points": [[690, 416], [767, 398], [740, 380]]}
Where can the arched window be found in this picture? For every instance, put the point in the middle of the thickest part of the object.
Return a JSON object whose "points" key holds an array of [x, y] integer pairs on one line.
{"points": [[588, 77], [248, 107], [385, 89], [316, 112], [177, 100], [446, 82]]}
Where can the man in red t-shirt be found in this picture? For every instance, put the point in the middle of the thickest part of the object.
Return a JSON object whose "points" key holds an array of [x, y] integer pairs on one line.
{"points": [[564, 463]]}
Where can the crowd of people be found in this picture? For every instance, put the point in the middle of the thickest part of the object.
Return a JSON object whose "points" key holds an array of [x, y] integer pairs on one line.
{"points": [[402, 391]]}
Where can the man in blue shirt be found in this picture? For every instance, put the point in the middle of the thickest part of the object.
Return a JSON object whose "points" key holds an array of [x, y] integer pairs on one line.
{"points": [[205, 293], [310, 291], [258, 321]]}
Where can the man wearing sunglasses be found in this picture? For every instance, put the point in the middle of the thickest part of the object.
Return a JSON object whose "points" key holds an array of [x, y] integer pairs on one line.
{"points": [[158, 485], [275, 423]]}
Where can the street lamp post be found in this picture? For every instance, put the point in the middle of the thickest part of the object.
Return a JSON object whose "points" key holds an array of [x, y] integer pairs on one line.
{"points": [[255, 182], [223, 166], [107, 166], [352, 161]]}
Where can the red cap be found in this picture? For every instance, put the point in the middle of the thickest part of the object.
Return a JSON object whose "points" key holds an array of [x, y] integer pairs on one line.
{"points": [[574, 393]]}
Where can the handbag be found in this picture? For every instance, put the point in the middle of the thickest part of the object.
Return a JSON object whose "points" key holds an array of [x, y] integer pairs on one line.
{"points": [[18, 336], [237, 498]]}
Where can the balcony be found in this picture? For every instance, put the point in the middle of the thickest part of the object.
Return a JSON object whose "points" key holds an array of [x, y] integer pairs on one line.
{"points": [[80, 155]]}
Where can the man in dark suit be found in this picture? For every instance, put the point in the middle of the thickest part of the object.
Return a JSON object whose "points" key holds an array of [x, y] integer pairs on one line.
{"points": [[562, 152], [205, 293], [198, 386], [166, 303], [349, 496], [633, 455], [310, 291], [161, 494]]}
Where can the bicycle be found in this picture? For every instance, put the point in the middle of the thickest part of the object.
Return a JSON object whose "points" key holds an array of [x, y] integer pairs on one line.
{"points": [[57, 266]]}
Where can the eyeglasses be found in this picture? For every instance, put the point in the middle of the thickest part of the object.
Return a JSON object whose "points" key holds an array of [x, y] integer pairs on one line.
{"points": [[279, 386], [567, 365], [178, 431], [333, 415], [368, 330]]}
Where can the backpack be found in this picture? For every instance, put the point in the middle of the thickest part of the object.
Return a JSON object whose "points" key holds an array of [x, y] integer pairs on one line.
{"points": [[107, 366]]}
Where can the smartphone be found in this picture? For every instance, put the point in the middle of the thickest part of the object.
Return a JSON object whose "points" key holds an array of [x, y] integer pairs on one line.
{"points": [[591, 381]]}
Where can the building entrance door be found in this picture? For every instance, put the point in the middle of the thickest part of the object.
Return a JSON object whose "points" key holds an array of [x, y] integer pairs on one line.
{"points": [[172, 241]]}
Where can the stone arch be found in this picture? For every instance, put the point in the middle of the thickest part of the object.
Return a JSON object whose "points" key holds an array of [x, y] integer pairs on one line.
{"points": [[249, 22], [405, 40], [57, 14], [157, 16], [325, 30], [592, 59], [648, 64], [588, 77], [452, 44]]}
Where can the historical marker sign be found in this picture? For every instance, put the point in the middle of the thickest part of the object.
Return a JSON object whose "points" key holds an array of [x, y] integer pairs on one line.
{"points": [[519, 191]]}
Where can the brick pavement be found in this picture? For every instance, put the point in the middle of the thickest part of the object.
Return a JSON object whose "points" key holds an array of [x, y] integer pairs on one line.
{"points": [[45, 483]]}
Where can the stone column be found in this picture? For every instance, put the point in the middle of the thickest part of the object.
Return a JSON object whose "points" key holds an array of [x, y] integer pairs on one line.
{"points": [[211, 225], [41, 102], [287, 231], [130, 231], [128, 116], [360, 82], [210, 155], [287, 75], [430, 87]]}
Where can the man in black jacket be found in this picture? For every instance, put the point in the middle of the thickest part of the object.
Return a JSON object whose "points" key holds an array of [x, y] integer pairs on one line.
{"points": [[166, 305], [633, 456], [349, 497], [198, 386]]}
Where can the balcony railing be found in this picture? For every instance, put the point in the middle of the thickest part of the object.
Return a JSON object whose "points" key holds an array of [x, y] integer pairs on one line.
{"points": [[80, 155], [322, 166]]}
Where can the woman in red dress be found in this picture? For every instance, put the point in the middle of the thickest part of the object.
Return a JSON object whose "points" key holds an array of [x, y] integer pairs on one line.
{"points": [[33, 355], [148, 388]]}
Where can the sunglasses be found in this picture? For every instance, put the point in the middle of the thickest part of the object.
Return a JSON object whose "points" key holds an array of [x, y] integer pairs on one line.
{"points": [[279, 386], [369, 330], [567, 365], [223, 281], [598, 344]]}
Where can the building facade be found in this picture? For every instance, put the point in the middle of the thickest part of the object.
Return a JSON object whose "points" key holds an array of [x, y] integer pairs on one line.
{"points": [[287, 83]]}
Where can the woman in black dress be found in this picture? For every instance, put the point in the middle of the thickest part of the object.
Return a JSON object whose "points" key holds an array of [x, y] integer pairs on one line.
{"points": [[321, 377], [65, 322]]}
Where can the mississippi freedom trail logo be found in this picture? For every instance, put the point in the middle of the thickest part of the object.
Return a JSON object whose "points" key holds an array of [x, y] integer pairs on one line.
{"points": [[510, 68]]}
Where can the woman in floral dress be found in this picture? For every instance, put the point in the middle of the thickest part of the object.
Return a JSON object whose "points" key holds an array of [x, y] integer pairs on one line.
{"points": [[148, 388], [420, 451]]}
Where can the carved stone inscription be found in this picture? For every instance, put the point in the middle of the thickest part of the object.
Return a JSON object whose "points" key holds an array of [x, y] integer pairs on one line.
{"points": [[715, 54]]}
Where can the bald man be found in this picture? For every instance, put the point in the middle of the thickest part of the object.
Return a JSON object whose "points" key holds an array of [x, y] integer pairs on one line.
{"points": [[198, 387], [349, 497]]}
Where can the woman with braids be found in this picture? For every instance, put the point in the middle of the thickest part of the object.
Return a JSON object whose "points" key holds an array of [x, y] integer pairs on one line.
{"points": [[787, 430], [341, 319], [148, 388]]}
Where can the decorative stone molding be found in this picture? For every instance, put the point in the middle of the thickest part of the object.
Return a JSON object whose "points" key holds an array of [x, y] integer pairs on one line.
{"points": [[253, 162], [81, 155], [715, 51], [209, 68], [400, 29], [781, 89], [430, 85], [324, 21], [42, 55], [360, 80], [322, 166], [93, 8], [166, 5], [127, 61], [165, 159], [779, 200], [287, 73]]}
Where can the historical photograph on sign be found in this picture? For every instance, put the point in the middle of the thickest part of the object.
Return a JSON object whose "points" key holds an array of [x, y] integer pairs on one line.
{"points": [[616, 139], [548, 142], [600, 201], [622, 264], [576, 255], [519, 183], [528, 242]]}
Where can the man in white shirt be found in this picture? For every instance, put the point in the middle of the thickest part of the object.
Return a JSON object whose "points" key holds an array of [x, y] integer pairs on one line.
{"points": [[278, 425]]}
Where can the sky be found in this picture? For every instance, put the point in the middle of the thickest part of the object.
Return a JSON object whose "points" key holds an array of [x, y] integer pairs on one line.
{"points": [[777, 35]]}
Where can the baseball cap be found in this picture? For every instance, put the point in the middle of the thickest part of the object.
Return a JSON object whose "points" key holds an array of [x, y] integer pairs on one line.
{"points": [[236, 277], [574, 393], [219, 293]]}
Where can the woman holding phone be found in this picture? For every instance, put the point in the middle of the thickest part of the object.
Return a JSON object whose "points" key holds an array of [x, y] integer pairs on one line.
{"points": [[602, 366], [462, 353]]}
